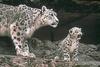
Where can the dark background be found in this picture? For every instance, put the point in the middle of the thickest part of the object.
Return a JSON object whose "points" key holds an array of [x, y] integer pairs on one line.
{"points": [[80, 13]]}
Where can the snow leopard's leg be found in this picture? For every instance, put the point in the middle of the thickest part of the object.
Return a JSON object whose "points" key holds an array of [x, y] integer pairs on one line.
{"points": [[66, 55], [75, 55], [19, 40]]}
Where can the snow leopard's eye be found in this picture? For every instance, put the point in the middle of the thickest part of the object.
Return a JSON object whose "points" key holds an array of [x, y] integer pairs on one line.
{"points": [[70, 31]]}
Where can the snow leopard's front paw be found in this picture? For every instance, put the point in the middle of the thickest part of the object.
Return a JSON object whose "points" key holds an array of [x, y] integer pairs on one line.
{"points": [[75, 59], [26, 54], [66, 59], [56, 58]]}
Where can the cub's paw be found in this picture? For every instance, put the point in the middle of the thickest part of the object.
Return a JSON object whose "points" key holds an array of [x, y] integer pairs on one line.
{"points": [[75, 59], [56, 58], [67, 59]]}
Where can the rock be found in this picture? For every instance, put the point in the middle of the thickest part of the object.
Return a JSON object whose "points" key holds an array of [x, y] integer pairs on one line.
{"points": [[14, 61], [42, 48], [48, 50], [84, 57], [98, 47], [89, 51], [19, 61], [35, 42], [93, 46], [49, 44]]}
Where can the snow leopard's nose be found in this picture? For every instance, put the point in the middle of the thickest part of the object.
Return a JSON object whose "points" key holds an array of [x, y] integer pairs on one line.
{"points": [[79, 35]]}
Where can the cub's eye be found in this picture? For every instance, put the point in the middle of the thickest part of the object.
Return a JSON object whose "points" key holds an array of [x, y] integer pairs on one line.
{"points": [[70, 31]]}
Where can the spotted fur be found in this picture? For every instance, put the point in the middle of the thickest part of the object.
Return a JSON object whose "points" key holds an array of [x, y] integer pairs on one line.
{"points": [[20, 22], [69, 46]]}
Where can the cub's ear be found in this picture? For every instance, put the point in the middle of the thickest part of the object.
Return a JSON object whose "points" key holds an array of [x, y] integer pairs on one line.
{"points": [[44, 8], [51, 9]]}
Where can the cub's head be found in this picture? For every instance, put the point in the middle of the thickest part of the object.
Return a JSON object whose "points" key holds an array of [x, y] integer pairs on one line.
{"points": [[75, 32], [49, 17]]}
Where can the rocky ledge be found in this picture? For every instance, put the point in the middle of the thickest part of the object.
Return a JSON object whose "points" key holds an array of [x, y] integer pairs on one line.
{"points": [[89, 55], [18, 61]]}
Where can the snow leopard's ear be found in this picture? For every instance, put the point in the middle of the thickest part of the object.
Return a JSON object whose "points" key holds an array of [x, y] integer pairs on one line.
{"points": [[44, 8], [51, 9]]}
